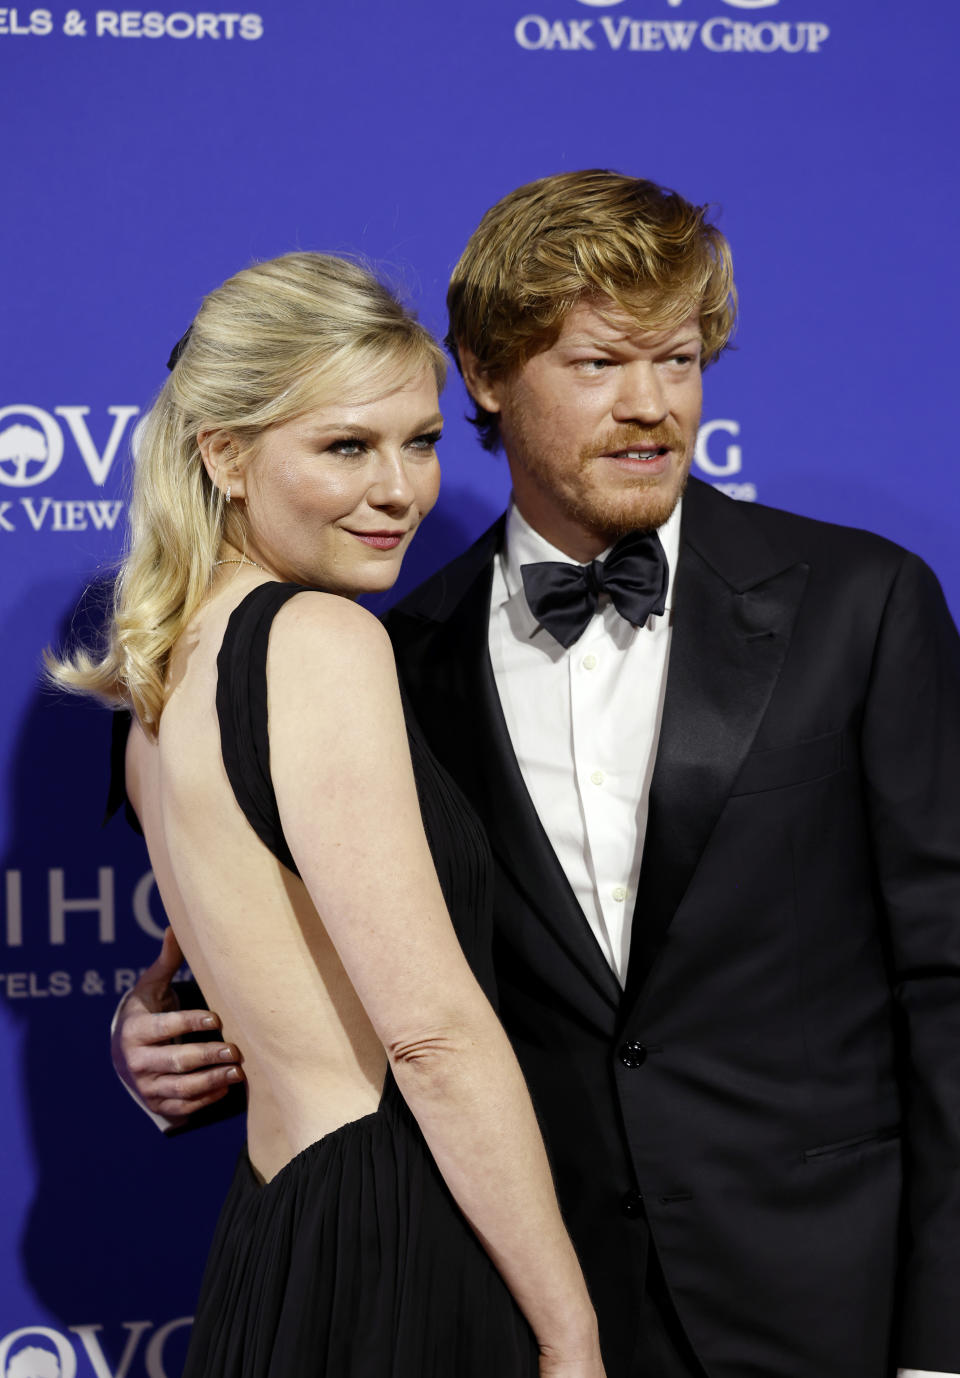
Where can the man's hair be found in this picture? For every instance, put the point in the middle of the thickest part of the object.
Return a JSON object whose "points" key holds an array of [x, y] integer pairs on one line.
{"points": [[593, 235]]}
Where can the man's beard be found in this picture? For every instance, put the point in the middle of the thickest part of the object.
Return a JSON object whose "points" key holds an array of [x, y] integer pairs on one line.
{"points": [[643, 507], [638, 503]]}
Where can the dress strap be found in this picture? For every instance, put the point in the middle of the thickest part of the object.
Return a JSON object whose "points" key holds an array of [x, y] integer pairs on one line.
{"points": [[242, 712]]}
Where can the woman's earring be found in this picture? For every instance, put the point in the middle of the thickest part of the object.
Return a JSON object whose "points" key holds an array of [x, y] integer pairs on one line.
{"points": [[227, 495]]}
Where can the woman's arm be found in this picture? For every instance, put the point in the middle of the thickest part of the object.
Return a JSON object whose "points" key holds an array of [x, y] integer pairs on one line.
{"points": [[344, 783]]}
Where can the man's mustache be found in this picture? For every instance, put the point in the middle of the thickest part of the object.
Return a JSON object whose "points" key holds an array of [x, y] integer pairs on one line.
{"points": [[663, 436]]}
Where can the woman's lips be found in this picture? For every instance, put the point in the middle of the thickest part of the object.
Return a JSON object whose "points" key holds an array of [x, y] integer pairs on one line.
{"points": [[380, 540]]}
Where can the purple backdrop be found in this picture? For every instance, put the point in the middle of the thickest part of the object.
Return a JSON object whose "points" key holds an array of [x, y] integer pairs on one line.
{"points": [[147, 155]]}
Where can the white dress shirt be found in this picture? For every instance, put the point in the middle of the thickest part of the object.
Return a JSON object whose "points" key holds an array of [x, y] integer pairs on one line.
{"points": [[585, 722]]}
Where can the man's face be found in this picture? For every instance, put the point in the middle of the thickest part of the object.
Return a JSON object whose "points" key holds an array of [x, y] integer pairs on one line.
{"points": [[599, 429]]}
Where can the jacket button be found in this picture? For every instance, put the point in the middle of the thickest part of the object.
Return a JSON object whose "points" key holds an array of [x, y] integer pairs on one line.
{"points": [[633, 1054], [632, 1204]]}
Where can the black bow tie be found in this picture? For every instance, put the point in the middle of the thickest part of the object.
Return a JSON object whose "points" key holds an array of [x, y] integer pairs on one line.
{"points": [[564, 597]]}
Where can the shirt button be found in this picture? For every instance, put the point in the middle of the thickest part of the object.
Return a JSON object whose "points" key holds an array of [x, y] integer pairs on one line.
{"points": [[633, 1054], [632, 1204], [589, 662], [597, 777], [619, 893]]}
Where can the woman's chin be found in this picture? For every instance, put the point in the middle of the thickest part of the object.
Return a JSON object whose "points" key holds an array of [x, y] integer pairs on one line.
{"points": [[376, 581], [385, 581]]}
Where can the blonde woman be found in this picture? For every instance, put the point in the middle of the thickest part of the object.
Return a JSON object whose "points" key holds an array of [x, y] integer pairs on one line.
{"points": [[393, 1213]]}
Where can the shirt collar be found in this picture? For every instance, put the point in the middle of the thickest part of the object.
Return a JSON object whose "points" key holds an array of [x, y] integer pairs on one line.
{"points": [[523, 546]]}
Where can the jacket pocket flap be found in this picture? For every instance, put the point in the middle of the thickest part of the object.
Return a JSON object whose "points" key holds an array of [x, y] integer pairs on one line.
{"points": [[790, 765], [875, 1136]]}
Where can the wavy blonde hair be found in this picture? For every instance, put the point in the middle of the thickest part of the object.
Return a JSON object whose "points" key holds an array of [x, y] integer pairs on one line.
{"points": [[592, 234], [280, 337]]}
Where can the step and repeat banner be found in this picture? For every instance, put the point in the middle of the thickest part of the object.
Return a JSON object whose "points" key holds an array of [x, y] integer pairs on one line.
{"points": [[149, 153]]}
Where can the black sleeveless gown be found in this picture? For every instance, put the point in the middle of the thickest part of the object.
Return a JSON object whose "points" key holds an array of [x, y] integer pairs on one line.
{"points": [[353, 1261]]}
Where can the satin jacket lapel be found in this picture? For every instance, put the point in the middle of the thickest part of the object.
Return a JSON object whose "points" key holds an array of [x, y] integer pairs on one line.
{"points": [[734, 609], [460, 712]]}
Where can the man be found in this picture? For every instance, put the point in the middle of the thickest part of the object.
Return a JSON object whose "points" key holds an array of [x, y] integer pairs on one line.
{"points": [[728, 896]]}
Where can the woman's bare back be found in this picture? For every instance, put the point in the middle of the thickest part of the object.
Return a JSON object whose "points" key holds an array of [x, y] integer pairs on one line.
{"points": [[246, 924]]}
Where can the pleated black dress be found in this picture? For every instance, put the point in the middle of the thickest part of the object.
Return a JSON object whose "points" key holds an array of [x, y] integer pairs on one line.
{"points": [[353, 1261]]}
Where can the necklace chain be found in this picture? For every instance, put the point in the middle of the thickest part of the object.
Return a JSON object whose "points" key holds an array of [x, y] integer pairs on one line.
{"points": [[244, 561]]}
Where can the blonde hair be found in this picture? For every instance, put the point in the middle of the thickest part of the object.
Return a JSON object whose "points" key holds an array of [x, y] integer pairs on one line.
{"points": [[276, 339], [547, 245]]}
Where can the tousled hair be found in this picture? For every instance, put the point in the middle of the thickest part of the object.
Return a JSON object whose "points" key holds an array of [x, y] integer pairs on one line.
{"points": [[585, 235], [276, 339]]}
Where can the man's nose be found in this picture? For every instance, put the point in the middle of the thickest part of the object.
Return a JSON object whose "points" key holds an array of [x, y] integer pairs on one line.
{"points": [[640, 396]]}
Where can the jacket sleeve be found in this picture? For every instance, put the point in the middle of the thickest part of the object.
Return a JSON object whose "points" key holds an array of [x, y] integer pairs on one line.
{"points": [[911, 758]]}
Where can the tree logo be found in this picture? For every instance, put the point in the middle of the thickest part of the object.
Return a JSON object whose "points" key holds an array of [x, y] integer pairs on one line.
{"points": [[34, 1362], [29, 455]]}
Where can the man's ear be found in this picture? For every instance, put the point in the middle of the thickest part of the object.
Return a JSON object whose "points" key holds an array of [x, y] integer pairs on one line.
{"points": [[220, 451], [480, 386]]}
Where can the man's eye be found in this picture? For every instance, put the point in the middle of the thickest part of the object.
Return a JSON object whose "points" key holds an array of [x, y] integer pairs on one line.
{"points": [[596, 365], [683, 359]]}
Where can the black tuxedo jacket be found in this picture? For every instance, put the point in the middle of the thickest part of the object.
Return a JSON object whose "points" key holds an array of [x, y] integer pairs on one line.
{"points": [[778, 1090]]}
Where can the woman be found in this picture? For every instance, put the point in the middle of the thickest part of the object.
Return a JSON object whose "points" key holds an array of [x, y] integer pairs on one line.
{"points": [[291, 451]]}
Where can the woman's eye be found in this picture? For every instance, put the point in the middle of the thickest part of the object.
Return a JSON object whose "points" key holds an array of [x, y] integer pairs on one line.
{"points": [[347, 448], [428, 441]]}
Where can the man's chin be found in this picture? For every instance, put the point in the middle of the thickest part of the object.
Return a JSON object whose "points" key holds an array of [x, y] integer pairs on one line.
{"points": [[642, 509]]}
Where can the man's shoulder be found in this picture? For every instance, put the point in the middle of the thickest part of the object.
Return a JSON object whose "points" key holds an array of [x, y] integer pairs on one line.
{"points": [[793, 538], [442, 593]]}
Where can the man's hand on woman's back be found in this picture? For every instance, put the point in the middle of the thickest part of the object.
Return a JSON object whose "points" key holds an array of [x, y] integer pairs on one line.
{"points": [[166, 1055]]}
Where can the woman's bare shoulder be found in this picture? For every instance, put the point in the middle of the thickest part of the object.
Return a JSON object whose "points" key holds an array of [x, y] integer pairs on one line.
{"points": [[312, 619], [325, 648]]}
